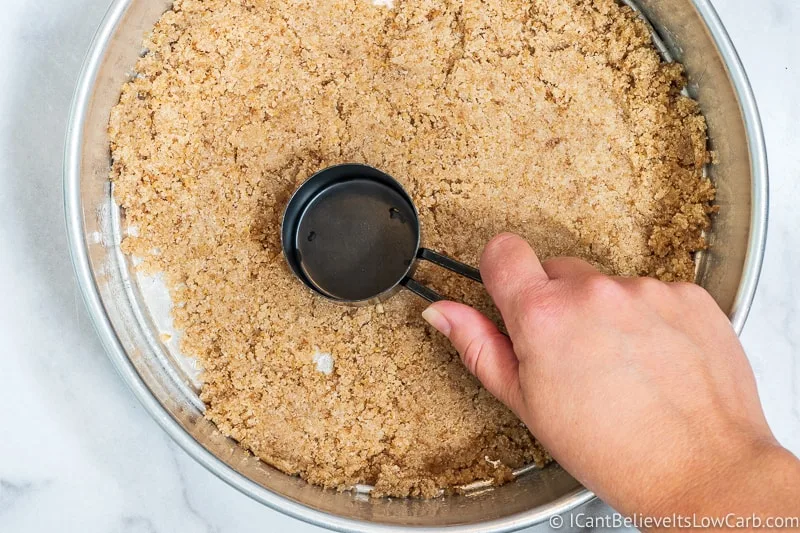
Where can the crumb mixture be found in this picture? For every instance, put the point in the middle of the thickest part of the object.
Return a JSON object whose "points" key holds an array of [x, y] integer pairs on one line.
{"points": [[555, 119]]}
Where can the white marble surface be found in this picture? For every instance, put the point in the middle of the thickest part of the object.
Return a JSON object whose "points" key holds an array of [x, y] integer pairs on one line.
{"points": [[78, 454]]}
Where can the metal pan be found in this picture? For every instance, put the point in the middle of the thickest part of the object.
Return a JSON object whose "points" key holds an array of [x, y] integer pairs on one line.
{"points": [[689, 29]]}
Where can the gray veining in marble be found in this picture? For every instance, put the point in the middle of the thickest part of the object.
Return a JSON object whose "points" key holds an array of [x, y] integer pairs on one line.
{"points": [[78, 454]]}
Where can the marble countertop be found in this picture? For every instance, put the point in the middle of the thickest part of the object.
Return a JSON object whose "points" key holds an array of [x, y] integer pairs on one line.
{"points": [[78, 453]]}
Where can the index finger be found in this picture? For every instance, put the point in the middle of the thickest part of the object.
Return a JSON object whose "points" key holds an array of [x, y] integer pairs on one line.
{"points": [[508, 267]]}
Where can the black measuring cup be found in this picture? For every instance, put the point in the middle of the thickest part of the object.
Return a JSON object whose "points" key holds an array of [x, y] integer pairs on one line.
{"points": [[351, 233]]}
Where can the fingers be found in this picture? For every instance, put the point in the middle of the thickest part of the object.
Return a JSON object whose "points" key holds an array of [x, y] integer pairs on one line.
{"points": [[485, 351], [509, 265], [567, 267]]}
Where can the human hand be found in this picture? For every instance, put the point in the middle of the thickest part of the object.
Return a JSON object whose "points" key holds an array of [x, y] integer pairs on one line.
{"points": [[640, 389]]}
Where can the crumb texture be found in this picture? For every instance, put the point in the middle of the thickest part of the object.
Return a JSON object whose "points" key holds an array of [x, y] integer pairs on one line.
{"points": [[555, 119]]}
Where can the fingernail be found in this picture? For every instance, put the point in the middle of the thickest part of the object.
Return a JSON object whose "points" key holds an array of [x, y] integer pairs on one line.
{"points": [[437, 320]]}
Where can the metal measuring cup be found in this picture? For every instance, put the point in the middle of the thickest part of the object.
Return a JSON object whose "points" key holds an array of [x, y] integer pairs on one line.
{"points": [[351, 233]]}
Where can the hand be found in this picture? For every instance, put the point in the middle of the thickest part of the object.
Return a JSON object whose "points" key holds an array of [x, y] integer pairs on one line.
{"points": [[640, 389]]}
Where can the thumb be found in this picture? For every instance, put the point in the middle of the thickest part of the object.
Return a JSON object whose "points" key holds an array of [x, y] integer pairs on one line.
{"points": [[485, 351]]}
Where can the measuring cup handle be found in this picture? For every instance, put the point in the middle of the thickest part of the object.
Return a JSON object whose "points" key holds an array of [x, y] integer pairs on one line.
{"points": [[450, 264], [445, 262], [421, 290]]}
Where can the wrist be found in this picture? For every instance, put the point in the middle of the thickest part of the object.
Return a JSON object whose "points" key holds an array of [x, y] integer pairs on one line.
{"points": [[761, 479]]}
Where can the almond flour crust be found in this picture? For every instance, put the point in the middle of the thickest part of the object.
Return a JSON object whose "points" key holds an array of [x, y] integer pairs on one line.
{"points": [[555, 119]]}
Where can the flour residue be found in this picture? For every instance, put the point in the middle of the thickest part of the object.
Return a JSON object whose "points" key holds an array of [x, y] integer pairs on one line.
{"points": [[324, 362]]}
